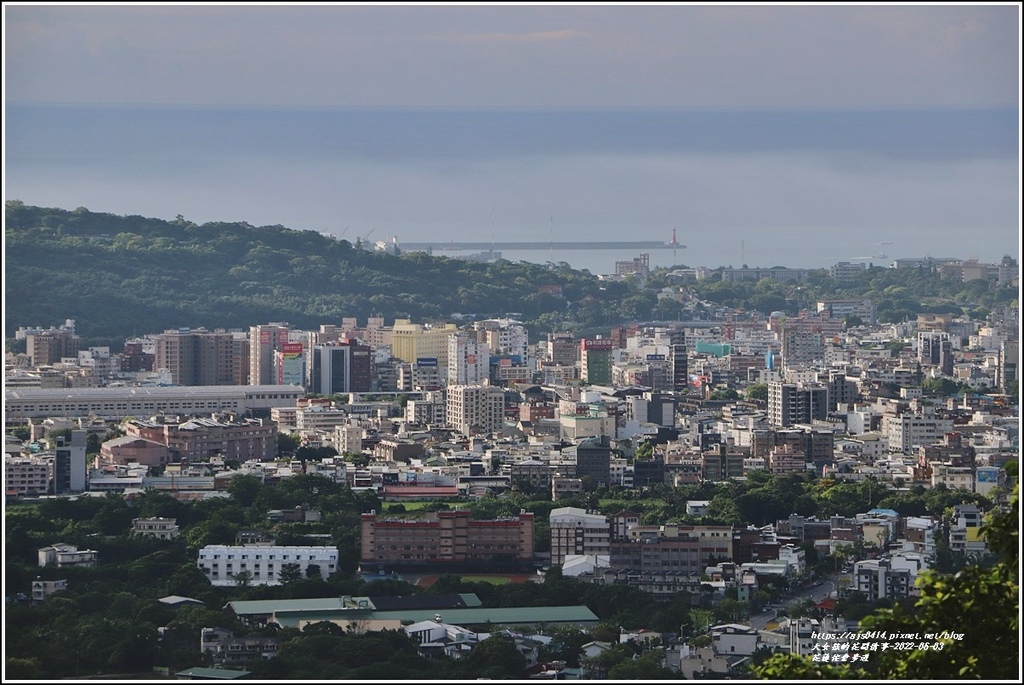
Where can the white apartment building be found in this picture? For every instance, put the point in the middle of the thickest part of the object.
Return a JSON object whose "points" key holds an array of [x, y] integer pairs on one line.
{"points": [[469, 361], [576, 532], [318, 418], [222, 563], [506, 336], [909, 431], [348, 437]]}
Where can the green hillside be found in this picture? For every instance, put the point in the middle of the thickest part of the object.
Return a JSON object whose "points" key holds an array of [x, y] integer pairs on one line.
{"points": [[120, 276]]}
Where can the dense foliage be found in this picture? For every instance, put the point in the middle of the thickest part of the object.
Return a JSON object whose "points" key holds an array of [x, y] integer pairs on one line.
{"points": [[120, 276], [107, 620]]}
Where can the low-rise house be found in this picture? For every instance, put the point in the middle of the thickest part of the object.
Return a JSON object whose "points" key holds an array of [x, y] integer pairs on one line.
{"points": [[64, 555], [158, 527], [733, 639], [41, 589], [226, 650], [437, 638]]}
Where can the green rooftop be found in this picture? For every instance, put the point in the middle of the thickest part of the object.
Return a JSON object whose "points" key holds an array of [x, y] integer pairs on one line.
{"points": [[496, 616], [200, 673]]}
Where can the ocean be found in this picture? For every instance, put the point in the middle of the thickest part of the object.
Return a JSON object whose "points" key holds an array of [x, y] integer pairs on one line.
{"points": [[797, 188]]}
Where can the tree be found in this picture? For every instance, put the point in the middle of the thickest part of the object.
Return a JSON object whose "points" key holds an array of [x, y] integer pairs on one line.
{"points": [[287, 443], [245, 488], [757, 391], [290, 573], [495, 658]]}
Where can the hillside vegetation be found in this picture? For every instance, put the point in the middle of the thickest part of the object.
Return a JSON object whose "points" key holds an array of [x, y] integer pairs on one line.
{"points": [[123, 276], [120, 276]]}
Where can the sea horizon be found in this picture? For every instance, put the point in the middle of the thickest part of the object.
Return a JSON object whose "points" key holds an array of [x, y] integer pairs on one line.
{"points": [[796, 187]]}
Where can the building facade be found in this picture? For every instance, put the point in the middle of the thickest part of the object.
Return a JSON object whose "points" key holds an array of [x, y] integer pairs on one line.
{"points": [[475, 409], [447, 539], [263, 564]]}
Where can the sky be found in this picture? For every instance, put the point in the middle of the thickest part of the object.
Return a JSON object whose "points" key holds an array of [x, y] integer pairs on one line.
{"points": [[545, 55], [773, 188]]}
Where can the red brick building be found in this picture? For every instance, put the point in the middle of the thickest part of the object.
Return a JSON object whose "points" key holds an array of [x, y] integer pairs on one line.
{"points": [[449, 538]]}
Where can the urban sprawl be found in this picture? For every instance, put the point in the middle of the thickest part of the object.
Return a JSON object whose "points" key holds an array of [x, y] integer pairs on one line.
{"points": [[426, 420]]}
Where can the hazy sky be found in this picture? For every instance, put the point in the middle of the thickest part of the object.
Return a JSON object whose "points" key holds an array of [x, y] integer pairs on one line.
{"points": [[494, 55]]}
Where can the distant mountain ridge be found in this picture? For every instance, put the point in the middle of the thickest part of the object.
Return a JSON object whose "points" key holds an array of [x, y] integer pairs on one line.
{"points": [[122, 276]]}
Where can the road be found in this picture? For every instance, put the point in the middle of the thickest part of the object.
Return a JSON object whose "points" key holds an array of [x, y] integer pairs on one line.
{"points": [[816, 593]]}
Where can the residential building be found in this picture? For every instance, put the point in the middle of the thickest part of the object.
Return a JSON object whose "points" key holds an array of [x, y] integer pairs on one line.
{"points": [[69, 465], [45, 347], [880, 578], [198, 356], [64, 556], [793, 403], [965, 535], [158, 527], [562, 349], [910, 430], [475, 409], [227, 651], [265, 341], [732, 639], [468, 360], [27, 476], [506, 337], [41, 589], [563, 487]]}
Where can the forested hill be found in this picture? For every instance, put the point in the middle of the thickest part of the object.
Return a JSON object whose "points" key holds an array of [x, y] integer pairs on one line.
{"points": [[121, 276]]}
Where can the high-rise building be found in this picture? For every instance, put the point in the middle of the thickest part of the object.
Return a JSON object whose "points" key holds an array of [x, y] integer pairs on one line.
{"points": [[504, 336], [677, 356], [801, 346], [1009, 359], [264, 342], [341, 367], [596, 360], [69, 468], [197, 356], [792, 403], [291, 364], [474, 409], [469, 360]]}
